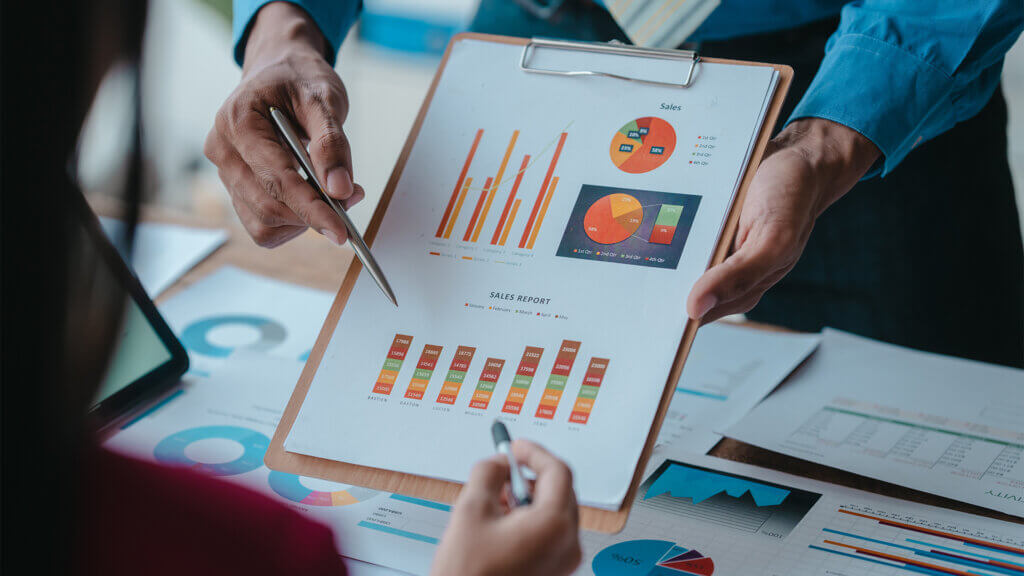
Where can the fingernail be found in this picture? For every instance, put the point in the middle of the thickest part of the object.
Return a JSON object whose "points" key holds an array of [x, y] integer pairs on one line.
{"points": [[339, 183], [705, 305], [331, 236]]}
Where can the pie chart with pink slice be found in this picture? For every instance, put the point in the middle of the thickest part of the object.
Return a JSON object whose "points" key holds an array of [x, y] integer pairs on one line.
{"points": [[651, 558]]}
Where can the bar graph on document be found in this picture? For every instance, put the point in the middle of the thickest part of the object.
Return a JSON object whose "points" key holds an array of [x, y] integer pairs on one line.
{"points": [[473, 206]]}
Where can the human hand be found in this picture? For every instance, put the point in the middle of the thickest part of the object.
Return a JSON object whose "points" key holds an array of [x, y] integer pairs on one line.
{"points": [[807, 167], [485, 538], [284, 67]]}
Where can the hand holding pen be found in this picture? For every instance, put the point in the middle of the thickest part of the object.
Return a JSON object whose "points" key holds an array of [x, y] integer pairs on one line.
{"points": [[485, 536]]}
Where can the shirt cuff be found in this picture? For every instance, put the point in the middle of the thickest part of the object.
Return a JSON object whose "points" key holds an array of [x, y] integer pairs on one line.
{"points": [[334, 18], [883, 92]]}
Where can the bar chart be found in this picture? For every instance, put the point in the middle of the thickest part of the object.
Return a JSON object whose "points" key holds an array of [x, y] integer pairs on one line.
{"points": [[485, 386], [392, 364], [592, 379], [556, 381], [456, 375], [521, 382], [483, 199], [424, 371]]}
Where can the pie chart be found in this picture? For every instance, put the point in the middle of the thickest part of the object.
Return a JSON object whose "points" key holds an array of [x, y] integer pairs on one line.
{"points": [[651, 558], [642, 145], [613, 218]]}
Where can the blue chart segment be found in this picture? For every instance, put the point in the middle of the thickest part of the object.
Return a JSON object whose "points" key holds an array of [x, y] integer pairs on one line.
{"points": [[651, 558], [171, 450], [742, 504], [289, 487], [195, 336]]}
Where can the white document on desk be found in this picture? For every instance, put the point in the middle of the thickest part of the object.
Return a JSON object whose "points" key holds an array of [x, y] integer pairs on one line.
{"points": [[729, 370], [582, 295], [698, 515], [938, 424], [163, 253]]}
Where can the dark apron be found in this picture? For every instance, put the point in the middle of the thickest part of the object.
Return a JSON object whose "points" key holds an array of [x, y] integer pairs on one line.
{"points": [[928, 257]]}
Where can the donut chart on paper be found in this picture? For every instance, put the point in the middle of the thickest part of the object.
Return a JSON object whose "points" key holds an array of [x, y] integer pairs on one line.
{"points": [[613, 218], [195, 336], [289, 487], [642, 145], [171, 450]]}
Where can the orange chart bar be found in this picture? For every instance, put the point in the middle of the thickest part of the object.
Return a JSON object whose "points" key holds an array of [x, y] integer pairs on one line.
{"points": [[933, 532], [501, 230], [543, 189], [458, 184], [521, 382], [497, 184], [556, 382], [458, 208], [485, 386], [588, 391], [424, 370], [511, 219], [476, 211], [392, 364], [543, 211], [456, 375]]}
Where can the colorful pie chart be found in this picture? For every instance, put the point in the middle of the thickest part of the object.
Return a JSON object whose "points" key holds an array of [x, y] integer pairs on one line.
{"points": [[642, 145], [613, 218], [651, 558], [290, 486]]}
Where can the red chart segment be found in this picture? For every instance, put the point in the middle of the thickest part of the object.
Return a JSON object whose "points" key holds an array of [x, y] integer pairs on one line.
{"points": [[642, 145], [392, 364], [456, 375], [521, 382], [613, 218], [679, 560]]}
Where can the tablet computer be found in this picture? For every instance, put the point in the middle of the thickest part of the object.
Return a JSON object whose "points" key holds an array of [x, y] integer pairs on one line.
{"points": [[148, 359]]}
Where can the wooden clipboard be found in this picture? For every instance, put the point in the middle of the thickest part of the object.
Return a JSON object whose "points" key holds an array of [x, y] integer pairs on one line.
{"points": [[443, 491]]}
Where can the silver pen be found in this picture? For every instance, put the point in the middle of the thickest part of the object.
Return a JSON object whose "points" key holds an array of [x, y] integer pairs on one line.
{"points": [[358, 244], [521, 495]]}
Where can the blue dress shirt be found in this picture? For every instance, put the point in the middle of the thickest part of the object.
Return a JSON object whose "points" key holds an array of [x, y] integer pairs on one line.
{"points": [[900, 72]]}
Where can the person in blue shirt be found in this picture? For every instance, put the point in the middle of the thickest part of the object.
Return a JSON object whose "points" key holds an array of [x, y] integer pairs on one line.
{"points": [[884, 205]]}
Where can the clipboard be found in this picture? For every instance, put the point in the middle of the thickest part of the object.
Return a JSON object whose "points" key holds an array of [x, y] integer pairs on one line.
{"points": [[277, 458]]}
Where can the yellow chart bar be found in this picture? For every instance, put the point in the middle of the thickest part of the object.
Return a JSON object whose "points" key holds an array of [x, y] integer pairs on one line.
{"points": [[497, 184], [458, 206], [511, 219], [543, 210]]}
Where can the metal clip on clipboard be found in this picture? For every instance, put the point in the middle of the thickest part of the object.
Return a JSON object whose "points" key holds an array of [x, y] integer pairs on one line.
{"points": [[610, 48]]}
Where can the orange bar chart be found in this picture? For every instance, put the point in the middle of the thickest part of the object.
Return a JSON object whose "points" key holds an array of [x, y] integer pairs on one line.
{"points": [[556, 381], [458, 184], [543, 211], [392, 364], [456, 375], [497, 184], [521, 382], [592, 379], [485, 386], [476, 211], [543, 190], [424, 370], [511, 219], [458, 208], [501, 231]]}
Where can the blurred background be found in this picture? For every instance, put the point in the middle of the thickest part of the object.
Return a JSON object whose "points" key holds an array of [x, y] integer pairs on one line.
{"points": [[387, 63]]}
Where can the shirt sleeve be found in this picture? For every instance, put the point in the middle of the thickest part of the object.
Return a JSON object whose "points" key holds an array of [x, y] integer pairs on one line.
{"points": [[333, 17], [902, 72]]}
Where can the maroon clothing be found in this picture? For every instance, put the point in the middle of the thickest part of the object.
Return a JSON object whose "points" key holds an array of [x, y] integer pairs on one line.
{"points": [[142, 518]]}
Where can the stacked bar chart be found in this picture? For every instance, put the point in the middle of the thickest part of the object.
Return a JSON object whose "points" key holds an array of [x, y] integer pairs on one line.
{"points": [[392, 364], [485, 386], [424, 370], [456, 375], [484, 200], [665, 224], [588, 391], [556, 382], [522, 380]]}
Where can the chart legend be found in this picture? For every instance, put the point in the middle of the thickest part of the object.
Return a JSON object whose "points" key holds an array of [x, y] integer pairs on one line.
{"points": [[556, 381], [588, 391], [627, 226], [392, 364], [642, 145], [424, 370], [456, 375], [485, 386], [523, 378]]}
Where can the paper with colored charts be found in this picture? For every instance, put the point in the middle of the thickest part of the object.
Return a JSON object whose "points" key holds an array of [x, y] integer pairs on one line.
{"points": [[698, 515], [232, 309], [542, 240], [221, 425], [938, 424]]}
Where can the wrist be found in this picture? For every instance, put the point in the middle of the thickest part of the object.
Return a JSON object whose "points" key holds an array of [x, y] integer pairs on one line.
{"points": [[838, 155], [281, 28]]}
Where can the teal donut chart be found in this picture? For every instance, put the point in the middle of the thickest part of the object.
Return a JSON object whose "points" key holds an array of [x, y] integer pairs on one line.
{"points": [[171, 450], [289, 487], [194, 337]]}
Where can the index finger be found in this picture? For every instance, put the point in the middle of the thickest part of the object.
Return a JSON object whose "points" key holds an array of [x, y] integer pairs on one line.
{"points": [[554, 479]]}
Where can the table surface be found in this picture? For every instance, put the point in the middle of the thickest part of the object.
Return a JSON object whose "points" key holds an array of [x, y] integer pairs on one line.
{"points": [[313, 261]]}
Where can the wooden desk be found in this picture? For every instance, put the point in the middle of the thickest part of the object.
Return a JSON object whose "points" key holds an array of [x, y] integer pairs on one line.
{"points": [[313, 261]]}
